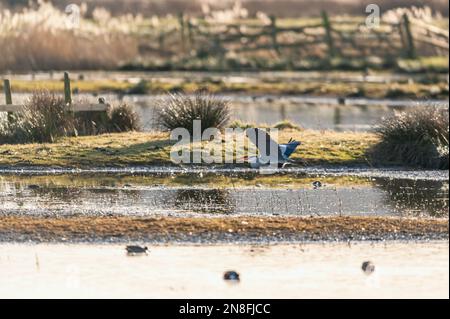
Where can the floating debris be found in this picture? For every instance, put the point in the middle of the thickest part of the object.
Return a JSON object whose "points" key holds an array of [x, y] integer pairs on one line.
{"points": [[368, 267], [134, 250], [231, 275]]}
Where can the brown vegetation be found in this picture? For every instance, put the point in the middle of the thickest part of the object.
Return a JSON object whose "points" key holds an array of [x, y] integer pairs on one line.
{"points": [[179, 228], [282, 8]]}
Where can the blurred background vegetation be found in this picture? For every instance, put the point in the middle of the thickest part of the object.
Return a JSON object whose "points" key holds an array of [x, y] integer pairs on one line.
{"points": [[223, 35], [280, 8]]}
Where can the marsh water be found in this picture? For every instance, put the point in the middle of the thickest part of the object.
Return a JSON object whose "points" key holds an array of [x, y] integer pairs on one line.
{"points": [[309, 270], [319, 113], [287, 270], [191, 194]]}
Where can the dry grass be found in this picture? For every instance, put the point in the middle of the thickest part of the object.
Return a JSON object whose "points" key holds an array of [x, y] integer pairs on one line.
{"points": [[42, 39], [43, 119], [283, 8], [179, 110], [313, 87], [46, 118], [128, 149], [123, 118], [217, 181], [417, 137]]}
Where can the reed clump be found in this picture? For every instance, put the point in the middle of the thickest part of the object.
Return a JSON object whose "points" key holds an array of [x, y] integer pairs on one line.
{"points": [[417, 137], [178, 110], [46, 117]]}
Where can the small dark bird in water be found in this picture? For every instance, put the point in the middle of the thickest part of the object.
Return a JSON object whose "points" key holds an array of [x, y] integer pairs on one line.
{"points": [[231, 275], [101, 100], [368, 267], [316, 184], [136, 250]]}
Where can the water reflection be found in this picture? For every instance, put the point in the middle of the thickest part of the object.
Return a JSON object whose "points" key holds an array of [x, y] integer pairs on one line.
{"points": [[416, 197], [315, 270], [204, 201], [294, 195], [309, 116], [311, 112]]}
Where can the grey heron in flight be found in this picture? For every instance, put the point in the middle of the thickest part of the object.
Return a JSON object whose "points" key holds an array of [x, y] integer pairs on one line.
{"points": [[270, 152]]}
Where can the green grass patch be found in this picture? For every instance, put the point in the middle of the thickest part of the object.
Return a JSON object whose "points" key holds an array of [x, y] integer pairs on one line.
{"points": [[132, 149], [212, 180]]}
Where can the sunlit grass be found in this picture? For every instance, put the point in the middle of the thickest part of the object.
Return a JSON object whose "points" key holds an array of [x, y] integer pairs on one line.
{"points": [[314, 87], [128, 149]]}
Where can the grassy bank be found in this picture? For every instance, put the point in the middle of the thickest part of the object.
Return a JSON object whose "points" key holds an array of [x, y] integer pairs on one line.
{"points": [[132, 149], [217, 181], [165, 229], [315, 88]]}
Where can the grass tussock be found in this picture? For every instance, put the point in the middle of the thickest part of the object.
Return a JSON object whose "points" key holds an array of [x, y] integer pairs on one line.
{"points": [[416, 137], [179, 110], [282, 125], [242, 125], [286, 125], [123, 118], [46, 117]]}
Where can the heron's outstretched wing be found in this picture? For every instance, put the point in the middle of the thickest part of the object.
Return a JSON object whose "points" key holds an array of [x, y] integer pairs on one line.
{"points": [[265, 144], [289, 148]]}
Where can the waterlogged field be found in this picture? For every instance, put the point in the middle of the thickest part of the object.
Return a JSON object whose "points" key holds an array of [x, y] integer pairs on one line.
{"points": [[70, 204], [308, 270], [223, 206], [211, 194], [340, 101]]}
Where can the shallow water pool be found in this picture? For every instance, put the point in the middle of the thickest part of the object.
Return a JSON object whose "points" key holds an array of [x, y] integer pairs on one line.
{"points": [[312, 270], [187, 194]]}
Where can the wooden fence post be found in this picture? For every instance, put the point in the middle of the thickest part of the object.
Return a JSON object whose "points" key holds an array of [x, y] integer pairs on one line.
{"points": [[8, 98], [328, 34], [190, 34], [67, 91], [182, 31], [161, 39], [410, 48], [273, 26]]}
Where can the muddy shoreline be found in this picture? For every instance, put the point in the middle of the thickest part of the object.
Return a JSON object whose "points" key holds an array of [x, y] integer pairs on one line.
{"points": [[220, 229]]}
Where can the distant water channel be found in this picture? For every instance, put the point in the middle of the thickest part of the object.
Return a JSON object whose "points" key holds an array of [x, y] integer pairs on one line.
{"points": [[319, 113]]}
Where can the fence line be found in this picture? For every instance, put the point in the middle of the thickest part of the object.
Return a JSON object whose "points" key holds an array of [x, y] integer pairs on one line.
{"points": [[337, 39], [11, 108]]}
